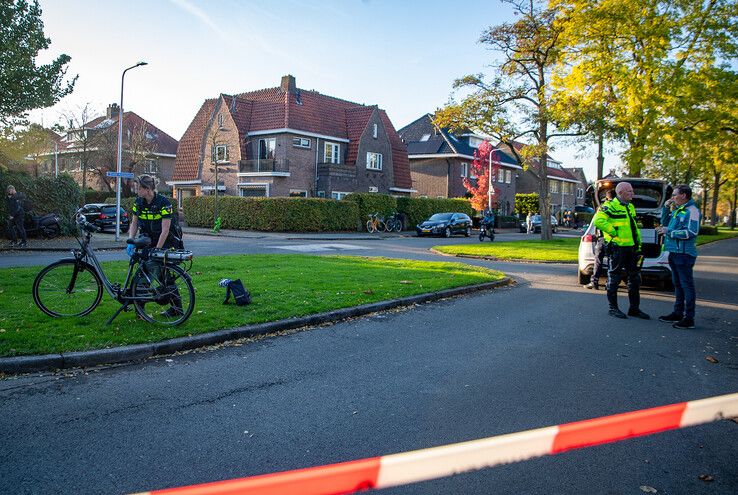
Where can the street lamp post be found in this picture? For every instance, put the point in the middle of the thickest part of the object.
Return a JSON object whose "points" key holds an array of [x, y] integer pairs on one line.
{"points": [[120, 152], [489, 183]]}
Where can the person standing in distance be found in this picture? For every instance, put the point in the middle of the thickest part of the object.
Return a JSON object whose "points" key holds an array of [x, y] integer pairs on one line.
{"points": [[617, 221], [16, 216], [599, 250], [680, 225]]}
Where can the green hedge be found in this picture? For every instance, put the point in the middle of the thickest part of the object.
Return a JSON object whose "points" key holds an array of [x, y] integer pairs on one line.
{"points": [[272, 214], [708, 230], [370, 203], [415, 210], [583, 218], [59, 195]]}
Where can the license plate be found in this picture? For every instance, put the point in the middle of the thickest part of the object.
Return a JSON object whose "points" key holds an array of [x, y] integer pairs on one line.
{"points": [[425, 230]]}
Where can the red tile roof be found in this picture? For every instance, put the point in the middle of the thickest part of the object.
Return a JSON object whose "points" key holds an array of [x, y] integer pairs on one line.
{"points": [[552, 171], [187, 164], [275, 108], [163, 142]]}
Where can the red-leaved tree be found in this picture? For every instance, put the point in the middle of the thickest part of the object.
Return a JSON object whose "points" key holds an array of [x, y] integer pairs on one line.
{"points": [[480, 168]]}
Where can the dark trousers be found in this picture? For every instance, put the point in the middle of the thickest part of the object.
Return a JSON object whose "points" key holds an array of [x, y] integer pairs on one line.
{"points": [[682, 276], [624, 259], [16, 228], [599, 252]]}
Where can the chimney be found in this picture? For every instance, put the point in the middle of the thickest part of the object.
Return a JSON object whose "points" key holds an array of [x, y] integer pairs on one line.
{"points": [[288, 84], [113, 110]]}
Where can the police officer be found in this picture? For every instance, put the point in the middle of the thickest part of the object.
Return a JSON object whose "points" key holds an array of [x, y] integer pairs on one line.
{"points": [[617, 221], [599, 250], [152, 213], [16, 216]]}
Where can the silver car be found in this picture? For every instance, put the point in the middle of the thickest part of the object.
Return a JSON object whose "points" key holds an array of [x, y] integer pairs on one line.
{"points": [[648, 198]]}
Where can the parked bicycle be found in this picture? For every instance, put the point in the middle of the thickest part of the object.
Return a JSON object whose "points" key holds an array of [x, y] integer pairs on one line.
{"points": [[394, 224], [375, 223], [158, 288]]}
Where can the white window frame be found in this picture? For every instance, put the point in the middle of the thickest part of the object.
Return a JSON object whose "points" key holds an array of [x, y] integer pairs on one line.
{"points": [[220, 121], [339, 195], [301, 142], [256, 185], [553, 186], [216, 153], [335, 152], [580, 193], [375, 131], [508, 176], [151, 166], [321, 194], [425, 137], [501, 176], [298, 193], [373, 164], [464, 169], [265, 140]]}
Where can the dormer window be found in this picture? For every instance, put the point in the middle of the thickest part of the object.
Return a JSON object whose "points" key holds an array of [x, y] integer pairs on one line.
{"points": [[474, 142], [425, 137]]}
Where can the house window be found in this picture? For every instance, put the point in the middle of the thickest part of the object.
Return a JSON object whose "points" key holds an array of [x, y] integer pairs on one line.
{"points": [[374, 161], [474, 142], [267, 148], [220, 121], [150, 167], [184, 193], [373, 189], [298, 193], [301, 142], [580, 193], [508, 176], [220, 153], [425, 137], [375, 132], [501, 176], [339, 195], [254, 191], [553, 186], [321, 194], [465, 170], [332, 153]]}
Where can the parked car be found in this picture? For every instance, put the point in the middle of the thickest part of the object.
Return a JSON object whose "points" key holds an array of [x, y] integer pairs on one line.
{"points": [[536, 221], [103, 215], [445, 224], [648, 198], [583, 209]]}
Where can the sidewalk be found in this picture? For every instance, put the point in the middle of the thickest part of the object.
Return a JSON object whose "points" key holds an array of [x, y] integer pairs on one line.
{"points": [[102, 243]]}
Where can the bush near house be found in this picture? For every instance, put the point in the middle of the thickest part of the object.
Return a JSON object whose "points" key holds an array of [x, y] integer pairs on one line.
{"points": [[370, 203], [526, 203], [59, 195], [583, 218], [272, 214], [416, 210]]}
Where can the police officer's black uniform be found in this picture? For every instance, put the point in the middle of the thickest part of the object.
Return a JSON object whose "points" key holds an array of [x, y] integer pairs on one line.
{"points": [[150, 216], [18, 214]]}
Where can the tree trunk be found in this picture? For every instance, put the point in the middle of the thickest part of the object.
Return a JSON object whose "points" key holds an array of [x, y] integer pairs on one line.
{"points": [[715, 196], [734, 206], [704, 204], [600, 156]]}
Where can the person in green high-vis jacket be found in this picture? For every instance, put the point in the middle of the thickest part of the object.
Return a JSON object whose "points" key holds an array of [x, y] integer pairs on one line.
{"points": [[617, 221]]}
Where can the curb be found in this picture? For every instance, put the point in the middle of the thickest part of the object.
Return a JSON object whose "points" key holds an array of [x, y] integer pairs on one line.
{"points": [[58, 249], [27, 364], [492, 258]]}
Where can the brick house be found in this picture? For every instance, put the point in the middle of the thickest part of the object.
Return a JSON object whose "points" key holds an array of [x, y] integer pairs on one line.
{"points": [[286, 141], [581, 188], [562, 185], [440, 161], [146, 149]]}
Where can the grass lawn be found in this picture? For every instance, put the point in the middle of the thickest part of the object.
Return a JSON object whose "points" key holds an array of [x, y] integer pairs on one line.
{"points": [[281, 286], [559, 249], [723, 233]]}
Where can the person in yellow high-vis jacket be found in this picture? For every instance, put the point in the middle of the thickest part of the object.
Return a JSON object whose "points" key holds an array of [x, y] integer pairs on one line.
{"points": [[617, 221]]}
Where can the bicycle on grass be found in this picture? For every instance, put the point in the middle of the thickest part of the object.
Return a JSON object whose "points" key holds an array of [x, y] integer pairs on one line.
{"points": [[157, 287]]}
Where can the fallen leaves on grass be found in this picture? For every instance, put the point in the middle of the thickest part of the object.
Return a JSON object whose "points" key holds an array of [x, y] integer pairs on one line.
{"points": [[712, 359], [648, 489], [706, 478]]}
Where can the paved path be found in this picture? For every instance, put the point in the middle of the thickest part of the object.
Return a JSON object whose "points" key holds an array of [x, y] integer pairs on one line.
{"points": [[537, 354]]}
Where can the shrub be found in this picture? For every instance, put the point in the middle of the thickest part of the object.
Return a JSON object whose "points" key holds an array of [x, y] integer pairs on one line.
{"points": [[272, 214], [526, 203], [92, 196], [47, 194], [583, 218], [370, 203], [507, 222], [708, 230], [415, 210]]}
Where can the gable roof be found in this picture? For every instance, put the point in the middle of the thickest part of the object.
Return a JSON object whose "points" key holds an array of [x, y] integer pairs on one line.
{"points": [[163, 142], [440, 141], [552, 172], [288, 107]]}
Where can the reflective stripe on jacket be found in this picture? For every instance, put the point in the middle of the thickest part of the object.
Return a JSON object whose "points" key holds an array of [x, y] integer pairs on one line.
{"points": [[684, 226], [618, 223]]}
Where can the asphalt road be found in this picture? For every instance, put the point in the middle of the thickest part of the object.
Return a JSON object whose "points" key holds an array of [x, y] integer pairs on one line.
{"points": [[537, 354]]}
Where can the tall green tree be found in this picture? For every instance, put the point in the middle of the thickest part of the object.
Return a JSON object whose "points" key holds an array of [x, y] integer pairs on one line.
{"points": [[515, 103], [638, 54], [26, 85]]}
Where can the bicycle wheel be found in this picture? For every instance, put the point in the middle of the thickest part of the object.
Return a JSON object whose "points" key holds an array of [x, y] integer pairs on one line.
{"points": [[398, 225], [67, 288], [167, 292], [370, 227], [389, 225]]}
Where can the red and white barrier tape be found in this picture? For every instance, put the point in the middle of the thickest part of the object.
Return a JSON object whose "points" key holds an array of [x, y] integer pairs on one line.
{"points": [[446, 460]]}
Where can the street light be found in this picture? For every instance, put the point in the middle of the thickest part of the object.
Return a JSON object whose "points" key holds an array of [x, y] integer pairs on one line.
{"points": [[489, 183], [120, 152]]}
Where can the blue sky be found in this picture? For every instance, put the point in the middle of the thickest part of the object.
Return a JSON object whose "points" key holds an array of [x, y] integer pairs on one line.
{"points": [[400, 55]]}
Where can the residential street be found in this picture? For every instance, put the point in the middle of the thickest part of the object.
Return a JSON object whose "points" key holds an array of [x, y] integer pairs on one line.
{"points": [[540, 353]]}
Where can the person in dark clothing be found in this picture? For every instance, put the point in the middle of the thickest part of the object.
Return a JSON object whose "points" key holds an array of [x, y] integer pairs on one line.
{"points": [[16, 216], [152, 214], [599, 250]]}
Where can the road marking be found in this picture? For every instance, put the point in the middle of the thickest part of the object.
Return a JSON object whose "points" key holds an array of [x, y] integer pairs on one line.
{"points": [[320, 248]]}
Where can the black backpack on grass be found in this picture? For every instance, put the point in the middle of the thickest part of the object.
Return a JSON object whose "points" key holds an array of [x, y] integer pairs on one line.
{"points": [[235, 287]]}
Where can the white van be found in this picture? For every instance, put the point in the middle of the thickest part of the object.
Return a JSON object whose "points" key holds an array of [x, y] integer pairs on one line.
{"points": [[649, 195]]}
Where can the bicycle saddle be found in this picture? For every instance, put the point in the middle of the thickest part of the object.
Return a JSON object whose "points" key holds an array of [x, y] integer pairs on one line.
{"points": [[140, 242]]}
